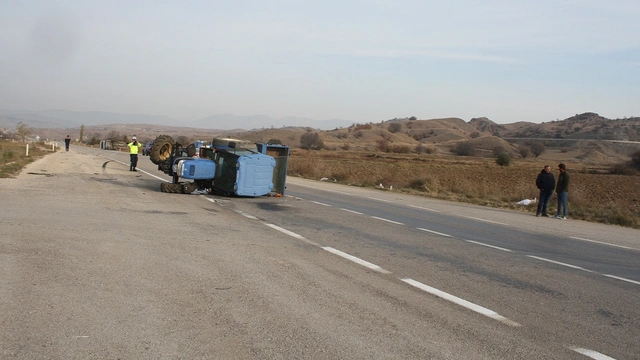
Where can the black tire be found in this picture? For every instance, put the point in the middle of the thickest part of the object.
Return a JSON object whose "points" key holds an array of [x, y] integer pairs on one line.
{"points": [[188, 188], [161, 149], [171, 188]]}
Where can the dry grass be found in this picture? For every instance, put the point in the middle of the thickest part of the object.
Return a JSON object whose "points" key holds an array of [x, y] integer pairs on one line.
{"points": [[13, 156], [605, 198]]}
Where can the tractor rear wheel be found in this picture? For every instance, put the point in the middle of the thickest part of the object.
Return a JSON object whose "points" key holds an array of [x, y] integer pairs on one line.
{"points": [[171, 188], [161, 149]]}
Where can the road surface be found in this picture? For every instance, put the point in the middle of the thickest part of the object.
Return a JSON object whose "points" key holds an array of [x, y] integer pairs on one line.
{"points": [[98, 264]]}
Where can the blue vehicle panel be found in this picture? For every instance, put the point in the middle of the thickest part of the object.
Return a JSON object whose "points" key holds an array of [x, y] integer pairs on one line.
{"points": [[196, 169], [255, 175]]}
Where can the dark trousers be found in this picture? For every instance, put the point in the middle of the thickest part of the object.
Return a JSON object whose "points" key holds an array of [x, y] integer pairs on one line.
{"points": [[134, 161], [545, 195]]}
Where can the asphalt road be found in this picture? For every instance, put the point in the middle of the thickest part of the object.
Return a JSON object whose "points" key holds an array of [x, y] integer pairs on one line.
{"points": [[98, 264]]}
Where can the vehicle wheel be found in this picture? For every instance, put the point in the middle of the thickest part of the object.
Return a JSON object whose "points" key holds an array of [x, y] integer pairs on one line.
{"points": [[171, 188], [161, 149], [188, 188]]}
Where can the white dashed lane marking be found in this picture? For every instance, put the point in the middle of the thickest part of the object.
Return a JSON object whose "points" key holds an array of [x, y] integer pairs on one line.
{"points": [[458, 301]]}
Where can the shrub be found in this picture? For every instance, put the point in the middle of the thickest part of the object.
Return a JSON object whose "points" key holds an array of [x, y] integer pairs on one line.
{"points": [[623, 169], [635, 160], [311, 141], [418, 184], [523, 151], [537, 148], [401, 149], [8, 154], [503, 159], [362, 127], [274, 141], [382, 145], [394, 127], [474, 135], [498, 150], [464, 148], [345, 146]]}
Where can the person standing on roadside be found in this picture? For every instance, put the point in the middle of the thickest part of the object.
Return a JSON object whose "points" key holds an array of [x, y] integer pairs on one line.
{"points": [[134, 148], [546, 182], [562, 189], [67, 141]]}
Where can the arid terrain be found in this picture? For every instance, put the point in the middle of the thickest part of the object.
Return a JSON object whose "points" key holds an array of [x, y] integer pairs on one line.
{"points": [[426, 157]]}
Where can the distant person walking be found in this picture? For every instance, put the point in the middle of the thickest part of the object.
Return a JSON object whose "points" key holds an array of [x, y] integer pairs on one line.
{"points": [[67, 141], [134, 148], [546, 182], [562, 189]]}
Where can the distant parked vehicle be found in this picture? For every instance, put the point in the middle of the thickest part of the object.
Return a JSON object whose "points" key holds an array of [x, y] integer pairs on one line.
{"points": [[146, 150]]}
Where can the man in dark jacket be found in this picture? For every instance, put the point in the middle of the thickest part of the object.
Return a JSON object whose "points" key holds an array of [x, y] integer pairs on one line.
{"points": [[562, 189], [546, 183]]}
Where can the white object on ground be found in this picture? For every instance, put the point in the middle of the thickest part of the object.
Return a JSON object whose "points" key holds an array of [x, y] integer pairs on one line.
{"points": [[526, 202]]}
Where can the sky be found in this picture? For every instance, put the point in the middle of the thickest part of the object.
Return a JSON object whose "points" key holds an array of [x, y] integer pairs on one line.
{"points": [[357, 60]]}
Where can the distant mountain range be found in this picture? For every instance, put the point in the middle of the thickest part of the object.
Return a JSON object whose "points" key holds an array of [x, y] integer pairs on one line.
{"points": [[65, 119]]}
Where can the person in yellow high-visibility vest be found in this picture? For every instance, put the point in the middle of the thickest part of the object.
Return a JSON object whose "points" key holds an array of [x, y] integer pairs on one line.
{"points": [[134, 147]]}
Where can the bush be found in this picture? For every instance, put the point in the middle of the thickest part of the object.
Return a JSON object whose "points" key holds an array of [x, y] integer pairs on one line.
{"points": [[311, 141], [464, 148], [635, 160], [503, 159], [7, 155], [342, 135], [401, 149], [383, 145], [537, 149], [523, 151], [498, 150], [274, 141], [474, 135], [394, 127]]}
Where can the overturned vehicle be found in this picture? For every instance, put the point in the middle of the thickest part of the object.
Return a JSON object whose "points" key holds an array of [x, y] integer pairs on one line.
{"points": [[225, 166]]}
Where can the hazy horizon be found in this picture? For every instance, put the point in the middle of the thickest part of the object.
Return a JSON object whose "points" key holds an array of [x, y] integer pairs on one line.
{"points": [[356, 60]]}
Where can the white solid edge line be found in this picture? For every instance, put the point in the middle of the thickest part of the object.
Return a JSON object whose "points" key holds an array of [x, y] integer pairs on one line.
{"points": [[489, 221], [458, 301], [592, 354], [387, 220], [372, 198], [245, 214], [559, 263], [423, 208], [291, 233], [356, 260], [351, 211], [487, 245], [327, 190], [285, 231], [622, 279], [319, 203], [140, 170], [434, 232], [601, 242]]}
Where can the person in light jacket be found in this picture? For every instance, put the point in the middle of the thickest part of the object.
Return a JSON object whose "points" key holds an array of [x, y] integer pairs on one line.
{"points": [[134, 148]]}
